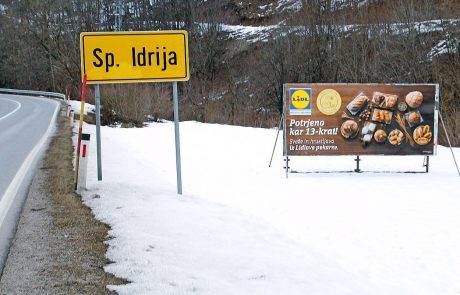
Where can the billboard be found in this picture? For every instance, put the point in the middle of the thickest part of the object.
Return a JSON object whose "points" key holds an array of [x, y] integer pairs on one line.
{"points": [[360, 119]]}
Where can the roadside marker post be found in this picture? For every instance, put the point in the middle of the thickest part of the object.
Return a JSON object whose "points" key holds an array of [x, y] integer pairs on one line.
{"points": [[80, 128], [68, 110], [85, 140], [72, 119]]}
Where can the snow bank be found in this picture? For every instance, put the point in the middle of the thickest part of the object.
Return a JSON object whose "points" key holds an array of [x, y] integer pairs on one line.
{"points": [[75, 105], [243, 228]]}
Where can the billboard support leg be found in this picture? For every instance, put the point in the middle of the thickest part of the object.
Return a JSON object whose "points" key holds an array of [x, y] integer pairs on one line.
{"points": [[448, 140], [287, 165], [426, 163], [276, 140], [357, 164]]}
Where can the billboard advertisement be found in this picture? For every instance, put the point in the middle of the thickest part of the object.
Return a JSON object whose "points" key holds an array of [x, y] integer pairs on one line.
{"points": [[360, 119]]}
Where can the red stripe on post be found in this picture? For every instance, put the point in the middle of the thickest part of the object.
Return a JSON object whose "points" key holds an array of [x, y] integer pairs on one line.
{"points": [[84, 151]]}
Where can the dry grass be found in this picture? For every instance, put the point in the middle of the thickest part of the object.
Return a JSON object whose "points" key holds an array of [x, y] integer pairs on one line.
{"points": [[79, 249]]}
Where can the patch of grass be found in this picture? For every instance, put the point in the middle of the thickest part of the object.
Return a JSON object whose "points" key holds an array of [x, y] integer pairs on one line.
{"points": [[80, 248], [90, 118]]}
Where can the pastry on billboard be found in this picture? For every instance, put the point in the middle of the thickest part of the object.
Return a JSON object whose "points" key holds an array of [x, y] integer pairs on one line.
{"points": [[402, 123], [402, 106], [367, 139], [349, 129], [396, 137], [382, 116], [380, 136], [423, 135], [414, 99], [368, 128], [414, 118], [378, 98], [390, 101], [357, 103], [387, 101], [365, 115], [346, 116], [367, 132]]}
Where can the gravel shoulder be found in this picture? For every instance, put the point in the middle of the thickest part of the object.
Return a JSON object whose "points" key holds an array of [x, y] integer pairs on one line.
{"points": [[59, 246]]}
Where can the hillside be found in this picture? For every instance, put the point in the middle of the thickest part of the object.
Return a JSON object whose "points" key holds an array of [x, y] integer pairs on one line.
{"points": [[241, 52]]}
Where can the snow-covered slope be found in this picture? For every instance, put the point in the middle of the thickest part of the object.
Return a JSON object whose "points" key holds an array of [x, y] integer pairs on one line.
{"points": [[296, 5], [264, 33], [243, 228]]}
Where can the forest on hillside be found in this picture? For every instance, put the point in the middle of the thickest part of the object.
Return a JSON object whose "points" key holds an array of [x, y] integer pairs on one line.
{"points": [[241, 52]]}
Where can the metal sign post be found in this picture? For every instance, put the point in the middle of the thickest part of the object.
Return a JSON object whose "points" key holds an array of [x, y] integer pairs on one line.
{"points": [[176, 132], [97, 96]]}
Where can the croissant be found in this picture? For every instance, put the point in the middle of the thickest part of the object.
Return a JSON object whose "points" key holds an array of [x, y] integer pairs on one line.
{"points": [[426, 128], [423, 135], [423, 141], [418, 133]]}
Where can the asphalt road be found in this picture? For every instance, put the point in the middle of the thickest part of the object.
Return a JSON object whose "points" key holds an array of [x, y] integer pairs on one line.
{"points": [[26, 124]]}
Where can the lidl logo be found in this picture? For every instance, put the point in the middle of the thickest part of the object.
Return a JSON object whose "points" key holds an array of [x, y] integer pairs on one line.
{"points": [[301, 101]]}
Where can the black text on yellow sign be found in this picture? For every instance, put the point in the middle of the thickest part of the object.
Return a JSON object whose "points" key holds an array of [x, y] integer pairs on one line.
{"points": [[129, 57]]}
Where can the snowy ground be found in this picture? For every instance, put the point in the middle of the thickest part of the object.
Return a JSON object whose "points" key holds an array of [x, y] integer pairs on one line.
{"points": [[76, 107], [243, 228]]}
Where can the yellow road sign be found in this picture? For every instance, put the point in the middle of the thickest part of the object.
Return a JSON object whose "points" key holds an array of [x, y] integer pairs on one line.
{"points": [[128, 57]]}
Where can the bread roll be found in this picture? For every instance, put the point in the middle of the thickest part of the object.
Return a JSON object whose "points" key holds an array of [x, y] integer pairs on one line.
{"points": [[414, 99], [380, 136], [349, 129], [396, 137], [414, 118]]}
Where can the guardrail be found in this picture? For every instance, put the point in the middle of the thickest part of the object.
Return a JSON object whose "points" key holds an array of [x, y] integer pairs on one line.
{"points": [[34, 93]]}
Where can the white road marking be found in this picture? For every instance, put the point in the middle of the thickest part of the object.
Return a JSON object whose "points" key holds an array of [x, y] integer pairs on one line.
{"points": [[13, 111]]}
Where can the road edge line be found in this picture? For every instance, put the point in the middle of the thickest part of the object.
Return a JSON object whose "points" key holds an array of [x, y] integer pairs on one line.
{"points": [[12, 112], [11, 191]]}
